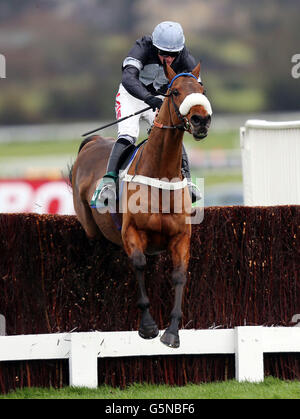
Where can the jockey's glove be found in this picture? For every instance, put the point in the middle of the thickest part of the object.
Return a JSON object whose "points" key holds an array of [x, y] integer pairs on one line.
{"points": [[154, 102]]}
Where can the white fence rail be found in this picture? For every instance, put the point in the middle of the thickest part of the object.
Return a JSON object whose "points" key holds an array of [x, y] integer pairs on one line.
{"points": [[247, 343]]}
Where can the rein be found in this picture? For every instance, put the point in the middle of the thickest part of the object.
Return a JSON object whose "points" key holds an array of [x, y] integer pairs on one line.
{"points": [[185, 126]]}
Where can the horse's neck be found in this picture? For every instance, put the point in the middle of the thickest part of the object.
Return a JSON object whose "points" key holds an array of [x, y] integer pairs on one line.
{"points": [[162, 154]]}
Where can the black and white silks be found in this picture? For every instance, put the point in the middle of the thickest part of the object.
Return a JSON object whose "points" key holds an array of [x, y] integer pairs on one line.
{"points": [[143, 73]]}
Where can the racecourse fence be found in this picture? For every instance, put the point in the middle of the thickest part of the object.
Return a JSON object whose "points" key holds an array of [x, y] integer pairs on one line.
{"points": [[244, 271]]}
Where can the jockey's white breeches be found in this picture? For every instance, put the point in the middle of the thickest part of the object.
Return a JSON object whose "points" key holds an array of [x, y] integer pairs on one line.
{"points": [[126, 104]]}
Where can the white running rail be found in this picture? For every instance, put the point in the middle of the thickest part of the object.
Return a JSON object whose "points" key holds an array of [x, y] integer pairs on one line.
{"points": [[247, 343]]}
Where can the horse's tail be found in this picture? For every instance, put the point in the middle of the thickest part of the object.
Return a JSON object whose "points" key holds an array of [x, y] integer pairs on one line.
{"points": [[70, 171]]}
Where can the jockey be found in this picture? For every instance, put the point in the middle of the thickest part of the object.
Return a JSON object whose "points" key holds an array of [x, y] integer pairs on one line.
{"points": [[143, 79]]}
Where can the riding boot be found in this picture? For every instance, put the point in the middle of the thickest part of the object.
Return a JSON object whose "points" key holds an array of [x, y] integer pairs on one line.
{"points": [[185, 170], [115, 155], [106, 190]]}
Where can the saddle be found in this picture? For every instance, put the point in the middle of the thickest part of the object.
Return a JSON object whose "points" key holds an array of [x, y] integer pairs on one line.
{"points": [[127, 155]]}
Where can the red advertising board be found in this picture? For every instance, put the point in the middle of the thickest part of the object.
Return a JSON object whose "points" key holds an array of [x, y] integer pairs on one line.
{"points": [[42, 196]]}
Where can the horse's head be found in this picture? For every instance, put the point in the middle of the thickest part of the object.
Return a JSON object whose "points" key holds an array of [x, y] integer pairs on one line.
{"points": [[190, 105]]}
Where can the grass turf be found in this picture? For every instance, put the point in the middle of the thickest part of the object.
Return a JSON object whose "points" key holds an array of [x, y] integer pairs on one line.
{"points": [[215, 139], [271, 388]]}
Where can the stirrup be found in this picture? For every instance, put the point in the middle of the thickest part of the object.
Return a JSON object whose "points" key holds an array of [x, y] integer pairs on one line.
{"points": [[195, 192], [107, 195], [105, 192]]}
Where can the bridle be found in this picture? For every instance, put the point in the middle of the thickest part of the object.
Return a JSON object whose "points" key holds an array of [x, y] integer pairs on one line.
{"points": [[185, 125]]}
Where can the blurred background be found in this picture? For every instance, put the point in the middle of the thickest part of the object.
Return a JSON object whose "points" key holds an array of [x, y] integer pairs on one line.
{"points": [[63, 68]]}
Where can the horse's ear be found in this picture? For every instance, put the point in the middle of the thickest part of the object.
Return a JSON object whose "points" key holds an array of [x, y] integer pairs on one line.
{"points": [[169, 72], [196, 71]]}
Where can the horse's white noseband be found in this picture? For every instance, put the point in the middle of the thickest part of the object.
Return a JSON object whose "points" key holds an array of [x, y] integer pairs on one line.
{"points": [[192, 100]]}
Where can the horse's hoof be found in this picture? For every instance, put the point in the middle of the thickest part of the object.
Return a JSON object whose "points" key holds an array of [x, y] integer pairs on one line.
{"points": [[170, 340], [149, 332]]}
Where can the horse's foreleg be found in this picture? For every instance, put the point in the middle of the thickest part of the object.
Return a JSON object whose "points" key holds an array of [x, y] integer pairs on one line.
{"points": [[148, 328], [179, 247], [135, 243]]}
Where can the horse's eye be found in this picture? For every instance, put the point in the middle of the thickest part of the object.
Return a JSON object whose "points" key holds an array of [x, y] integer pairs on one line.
{"points": [[175, 92]]}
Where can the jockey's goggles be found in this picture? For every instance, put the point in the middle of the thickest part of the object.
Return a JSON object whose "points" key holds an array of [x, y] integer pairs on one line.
{"points": [[168, 53]]}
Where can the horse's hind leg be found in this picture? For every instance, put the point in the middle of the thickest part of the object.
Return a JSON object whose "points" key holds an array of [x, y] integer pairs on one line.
{"points": [[135, 244], [85, 217], [179, 247]]}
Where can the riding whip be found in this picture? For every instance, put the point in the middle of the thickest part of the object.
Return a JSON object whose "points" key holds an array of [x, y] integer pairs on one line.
{"points": [[117, 121]]}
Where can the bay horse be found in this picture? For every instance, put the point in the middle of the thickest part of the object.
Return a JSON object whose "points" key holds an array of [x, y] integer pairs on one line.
{"points": [[148, 231]]}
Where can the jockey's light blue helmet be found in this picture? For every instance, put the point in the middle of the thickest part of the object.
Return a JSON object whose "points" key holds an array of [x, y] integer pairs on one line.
{"points": [[168, 36]]}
